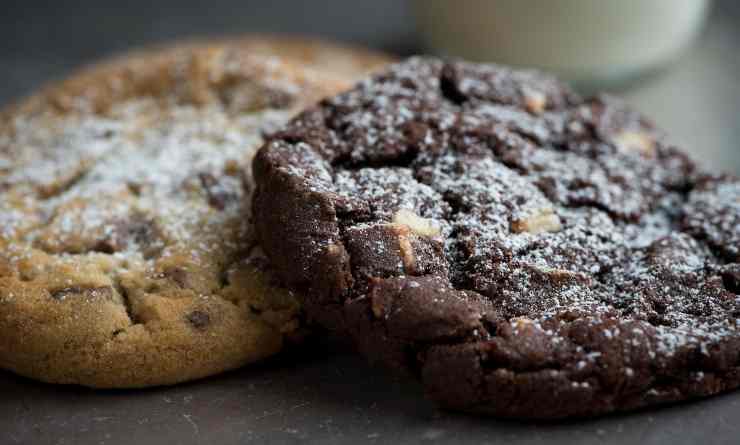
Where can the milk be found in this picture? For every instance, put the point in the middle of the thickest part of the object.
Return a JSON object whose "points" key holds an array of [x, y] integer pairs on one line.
{"points": [[591, 42]]}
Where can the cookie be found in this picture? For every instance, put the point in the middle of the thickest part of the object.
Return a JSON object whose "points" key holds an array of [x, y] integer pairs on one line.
{"points": [[126, 251], [520, 250]]}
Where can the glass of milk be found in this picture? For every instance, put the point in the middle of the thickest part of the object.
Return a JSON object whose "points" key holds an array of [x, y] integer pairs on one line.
{"points": [[594, 43]]}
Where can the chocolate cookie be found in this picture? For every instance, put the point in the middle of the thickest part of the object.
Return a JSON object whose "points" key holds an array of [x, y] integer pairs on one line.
{"points": [[126, 258], [521, 250]]}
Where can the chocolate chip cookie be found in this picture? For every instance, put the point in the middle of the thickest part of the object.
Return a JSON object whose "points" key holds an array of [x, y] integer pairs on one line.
{"points": [[521, 250], [126, 252]]}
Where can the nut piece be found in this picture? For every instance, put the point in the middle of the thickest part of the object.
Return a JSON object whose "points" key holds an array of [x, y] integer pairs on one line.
{"points": [[377, 307], [521, 323], [634, 141], [420, 226], [198, 319], [562, 277], [542, 220], [404, 233], [205, 69], [534, 101]]}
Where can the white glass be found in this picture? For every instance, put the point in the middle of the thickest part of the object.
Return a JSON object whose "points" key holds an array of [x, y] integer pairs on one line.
{"points": [[590, 42]]}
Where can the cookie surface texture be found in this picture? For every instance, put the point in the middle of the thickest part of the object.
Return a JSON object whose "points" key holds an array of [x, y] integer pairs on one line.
{"points": [[521, 250], [126, 248]]}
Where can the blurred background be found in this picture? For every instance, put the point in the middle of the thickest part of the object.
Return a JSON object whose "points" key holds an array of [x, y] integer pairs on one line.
{"points": [[662, 55]]}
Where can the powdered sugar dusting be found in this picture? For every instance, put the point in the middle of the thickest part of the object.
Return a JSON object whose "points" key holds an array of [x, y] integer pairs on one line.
{"points": [[149, 177], [545, 212]]}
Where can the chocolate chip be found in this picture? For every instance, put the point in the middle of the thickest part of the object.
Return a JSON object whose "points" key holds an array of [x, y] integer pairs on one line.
{"points": [[134, 188], [218, 197], [141, 231], [95, 292], [207, 180], [61, 294], [178, 275], [279, 99], [449, 87], [415, 132], [199, 319], [731, 278], [137, 229]]}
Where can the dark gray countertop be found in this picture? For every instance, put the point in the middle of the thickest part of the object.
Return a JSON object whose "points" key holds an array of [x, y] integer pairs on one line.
{"points": [[324, 396], [319, 400]]}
